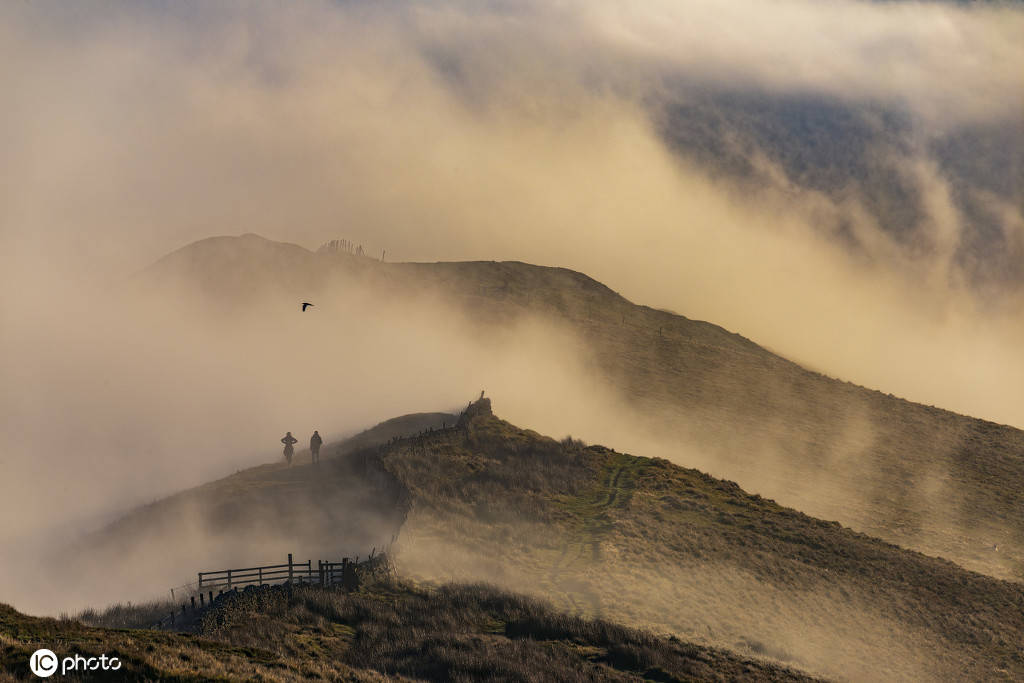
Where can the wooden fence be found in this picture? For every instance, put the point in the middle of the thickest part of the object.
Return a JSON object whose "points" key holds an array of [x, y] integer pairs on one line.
{"points": [[227, 579], [325, 574], [200, 595]]}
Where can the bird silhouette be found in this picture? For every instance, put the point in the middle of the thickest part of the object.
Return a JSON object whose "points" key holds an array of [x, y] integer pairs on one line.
{"points": [[305, 305]]}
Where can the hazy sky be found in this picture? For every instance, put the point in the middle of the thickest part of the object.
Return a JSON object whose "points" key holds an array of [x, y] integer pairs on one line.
{"points": [[469, 130]]}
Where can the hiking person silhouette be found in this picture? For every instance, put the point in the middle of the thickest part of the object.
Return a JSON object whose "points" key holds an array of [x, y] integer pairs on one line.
{"points": [[314, 446], [288, 440]]}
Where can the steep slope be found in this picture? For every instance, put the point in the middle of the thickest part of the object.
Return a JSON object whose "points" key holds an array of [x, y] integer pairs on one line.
{"points": [[915, 475], [652, 544]]}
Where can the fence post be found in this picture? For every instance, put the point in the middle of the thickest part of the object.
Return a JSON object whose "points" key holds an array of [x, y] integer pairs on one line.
{"points": [[261, 575], [200, 581], [289, 567], [202, 600], [229, 579], [211, 597], [193, 598]]}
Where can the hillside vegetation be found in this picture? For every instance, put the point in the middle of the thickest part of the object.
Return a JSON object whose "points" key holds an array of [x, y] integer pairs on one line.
{"points": [[387, 631], [916, 475], [648, 543], [924, 478]]}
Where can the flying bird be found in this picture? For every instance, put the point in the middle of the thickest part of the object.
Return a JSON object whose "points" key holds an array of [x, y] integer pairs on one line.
{"points": [[305, 305]]}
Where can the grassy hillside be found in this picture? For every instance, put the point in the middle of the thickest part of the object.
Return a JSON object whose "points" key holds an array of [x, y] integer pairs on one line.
{"points": [[647, 544], [388, 630], [148, 655], [652, 544], [915, 475]]}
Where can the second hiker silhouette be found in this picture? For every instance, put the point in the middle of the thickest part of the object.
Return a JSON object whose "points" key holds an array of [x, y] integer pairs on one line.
{"points": [[288, 442], [314, 447]]}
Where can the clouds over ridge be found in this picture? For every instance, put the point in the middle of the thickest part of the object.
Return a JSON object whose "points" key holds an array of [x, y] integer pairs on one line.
{"points": [[529, 131]]}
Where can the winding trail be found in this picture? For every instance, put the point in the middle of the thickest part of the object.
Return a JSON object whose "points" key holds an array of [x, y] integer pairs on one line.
{"points": [[582, 548]]}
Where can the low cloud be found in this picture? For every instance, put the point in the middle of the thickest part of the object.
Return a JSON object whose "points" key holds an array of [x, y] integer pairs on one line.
{"points": [[456, 131]]}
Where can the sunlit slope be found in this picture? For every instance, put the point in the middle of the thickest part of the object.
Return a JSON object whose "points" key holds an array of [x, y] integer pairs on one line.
{"points": [[649, 543], [915, 475]]}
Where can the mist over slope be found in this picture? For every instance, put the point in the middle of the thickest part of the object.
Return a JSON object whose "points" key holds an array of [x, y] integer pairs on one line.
{"points": [[638, 541], [648, 542], [662, 384], [839, 181], [258, 515]]}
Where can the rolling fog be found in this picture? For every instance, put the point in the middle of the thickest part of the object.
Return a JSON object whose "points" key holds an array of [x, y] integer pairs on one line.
{"points": [[448, 132]]}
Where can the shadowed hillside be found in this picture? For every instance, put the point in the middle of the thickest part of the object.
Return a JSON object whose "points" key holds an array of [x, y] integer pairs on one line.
{"points": [[919, 476], [386, 631]]}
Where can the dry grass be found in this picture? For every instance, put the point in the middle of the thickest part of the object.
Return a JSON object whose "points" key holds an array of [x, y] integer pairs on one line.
{"points": [[152, 655], [644, 542], [392, 629], [464, 633], [128, 615]]}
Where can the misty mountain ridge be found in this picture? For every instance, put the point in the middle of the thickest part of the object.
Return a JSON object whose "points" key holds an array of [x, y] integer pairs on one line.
{"points": [[915, 475], [758, 396], [604, 534]]}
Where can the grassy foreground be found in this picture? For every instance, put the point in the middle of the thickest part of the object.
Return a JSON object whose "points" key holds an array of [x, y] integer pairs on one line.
{"points": [[389, 630]]}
